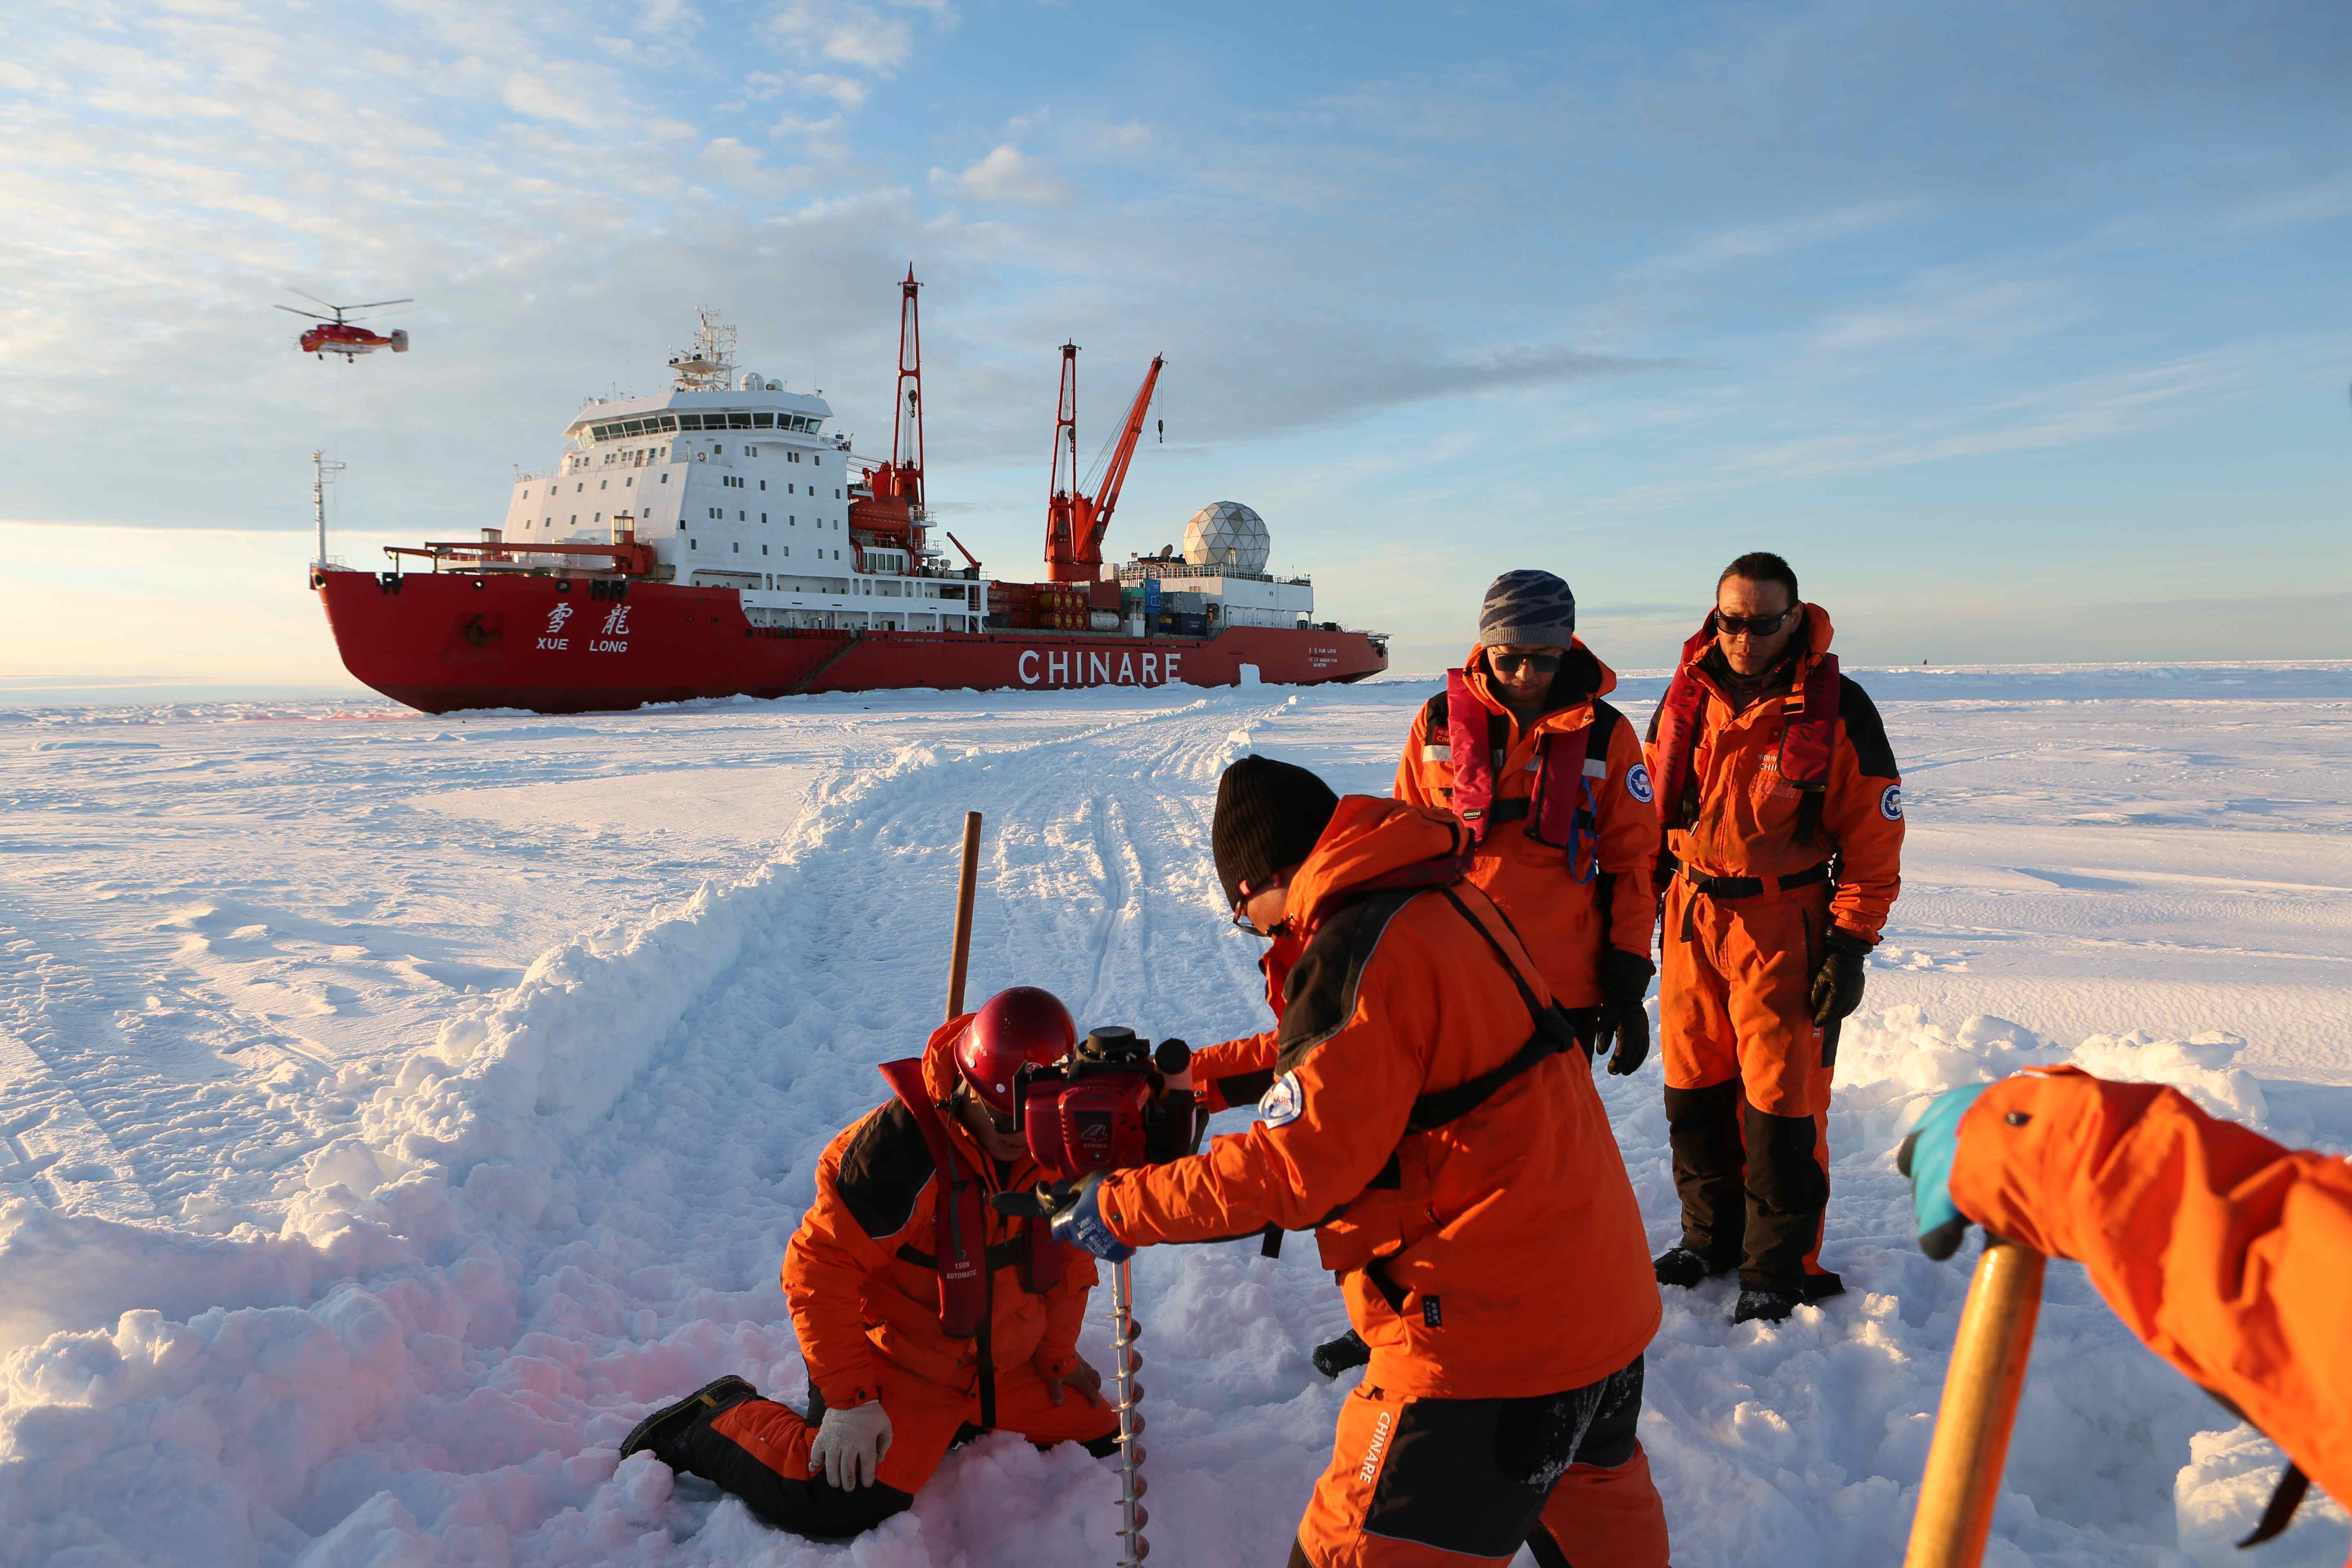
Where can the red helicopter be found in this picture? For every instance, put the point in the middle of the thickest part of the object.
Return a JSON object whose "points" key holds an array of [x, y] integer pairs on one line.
{"points": [[337, 334]]}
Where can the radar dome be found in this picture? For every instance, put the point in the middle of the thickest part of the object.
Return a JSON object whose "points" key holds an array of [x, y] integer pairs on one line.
{"points": [[1226, 534], [752, 382]]}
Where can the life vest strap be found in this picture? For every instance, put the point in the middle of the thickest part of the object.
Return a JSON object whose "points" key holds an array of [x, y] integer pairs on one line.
{"points": [[959, 1243]]}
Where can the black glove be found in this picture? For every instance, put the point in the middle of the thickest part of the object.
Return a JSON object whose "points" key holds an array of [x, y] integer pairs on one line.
{"points": [[1623, 1023], [1837, 985]]}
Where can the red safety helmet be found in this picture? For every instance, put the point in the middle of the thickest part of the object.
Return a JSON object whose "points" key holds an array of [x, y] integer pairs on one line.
{"points": [[1023, 1025]]}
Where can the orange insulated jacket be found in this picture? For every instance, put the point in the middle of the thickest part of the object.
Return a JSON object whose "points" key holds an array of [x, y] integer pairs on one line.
{"points": [[1736, 817], [860, 1277], [1496, 1255], [1559, 917]]}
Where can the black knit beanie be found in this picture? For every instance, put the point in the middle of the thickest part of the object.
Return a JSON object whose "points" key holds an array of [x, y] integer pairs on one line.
{"points": [[1530, 608], [1269, 816]]}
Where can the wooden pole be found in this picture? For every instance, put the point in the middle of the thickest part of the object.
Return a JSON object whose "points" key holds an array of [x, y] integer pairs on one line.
{"points": [[1979, 1406], [964, 889]]}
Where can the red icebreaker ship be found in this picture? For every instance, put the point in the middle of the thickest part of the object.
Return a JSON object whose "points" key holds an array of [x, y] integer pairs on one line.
{"points": [[718, 541]]}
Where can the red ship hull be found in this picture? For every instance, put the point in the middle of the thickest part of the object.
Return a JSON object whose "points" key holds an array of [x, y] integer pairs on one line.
{"points": [[444, 641]]}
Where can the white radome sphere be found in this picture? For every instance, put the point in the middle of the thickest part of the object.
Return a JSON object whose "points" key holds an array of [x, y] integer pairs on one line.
{"points": [[1227, 534]]}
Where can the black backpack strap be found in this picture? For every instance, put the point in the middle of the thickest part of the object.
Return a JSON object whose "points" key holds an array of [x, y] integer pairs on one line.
{"points": [[1605, 720], [1597, 736], [2280, 1507], [1553, 1033]]}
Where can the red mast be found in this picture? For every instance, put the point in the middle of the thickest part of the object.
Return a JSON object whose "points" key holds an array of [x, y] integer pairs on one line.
{"points": [[1076, 522], [898, 485]]}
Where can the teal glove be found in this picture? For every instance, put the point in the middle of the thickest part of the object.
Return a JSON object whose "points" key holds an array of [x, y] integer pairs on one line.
{"points": [[1926, 1157]]}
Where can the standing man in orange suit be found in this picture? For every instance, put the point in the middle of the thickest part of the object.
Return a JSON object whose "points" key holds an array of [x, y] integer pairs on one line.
{"points": [[1783, 816]]}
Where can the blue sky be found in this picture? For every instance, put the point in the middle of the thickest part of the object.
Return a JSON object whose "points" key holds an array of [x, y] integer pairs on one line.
{"points": [[2021, 329]]}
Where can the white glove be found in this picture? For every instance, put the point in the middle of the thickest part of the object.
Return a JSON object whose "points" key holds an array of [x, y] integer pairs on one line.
{"points": [[849, 1445]]}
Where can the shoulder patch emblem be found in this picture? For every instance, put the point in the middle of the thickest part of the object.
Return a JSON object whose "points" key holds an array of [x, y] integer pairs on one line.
{"points": [[1890, 803], [1637, 783], [1284, 1103]]}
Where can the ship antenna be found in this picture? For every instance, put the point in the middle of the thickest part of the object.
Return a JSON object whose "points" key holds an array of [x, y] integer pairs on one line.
{"points": [[320, 469]]}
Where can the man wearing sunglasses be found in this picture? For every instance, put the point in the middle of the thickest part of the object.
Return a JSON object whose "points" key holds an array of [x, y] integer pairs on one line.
{"points": [[1783, 815], [1549, 781], [925, 1315]]}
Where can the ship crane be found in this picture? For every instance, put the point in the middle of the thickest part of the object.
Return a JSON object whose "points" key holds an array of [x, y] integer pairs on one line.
{"points": [[1076, 522], [892, 512]]}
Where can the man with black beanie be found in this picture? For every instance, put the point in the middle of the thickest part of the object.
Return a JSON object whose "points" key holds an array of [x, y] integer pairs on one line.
{"points": [[1431, 1115]]}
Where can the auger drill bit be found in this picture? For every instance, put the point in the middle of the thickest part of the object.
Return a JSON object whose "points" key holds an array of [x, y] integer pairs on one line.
{"points": [[1125, 1363]]}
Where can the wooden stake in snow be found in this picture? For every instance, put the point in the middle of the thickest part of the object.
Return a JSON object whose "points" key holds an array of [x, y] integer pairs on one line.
{"points": [[1979, 1406], [963, 912]]}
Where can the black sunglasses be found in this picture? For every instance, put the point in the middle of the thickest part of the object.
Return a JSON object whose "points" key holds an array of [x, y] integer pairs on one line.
{"points": [[1241, 906], [1510, 663], [1752, 625]]}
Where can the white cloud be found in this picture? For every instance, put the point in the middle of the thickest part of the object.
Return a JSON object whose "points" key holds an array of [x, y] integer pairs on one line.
{"points": [[847, 91], [1755, 241], [1993, 314], [1132, 137], [667, 16], [853, 34], [543, 99], [2307, 203], [1009, 175]]}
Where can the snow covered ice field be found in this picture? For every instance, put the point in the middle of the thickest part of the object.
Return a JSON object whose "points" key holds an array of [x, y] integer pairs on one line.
{"points": [[393, 1108]]}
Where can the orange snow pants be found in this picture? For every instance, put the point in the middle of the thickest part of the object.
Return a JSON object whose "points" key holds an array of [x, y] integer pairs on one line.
{"points": [[1747, 1094], [759, 1449], [1431, 1482]]}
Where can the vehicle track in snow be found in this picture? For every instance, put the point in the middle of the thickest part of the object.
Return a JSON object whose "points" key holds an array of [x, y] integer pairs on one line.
{"points": [[571, 1204]]}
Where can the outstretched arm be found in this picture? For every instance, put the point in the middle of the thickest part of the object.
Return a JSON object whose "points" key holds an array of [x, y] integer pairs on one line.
{"points": [[2227, 1254]]}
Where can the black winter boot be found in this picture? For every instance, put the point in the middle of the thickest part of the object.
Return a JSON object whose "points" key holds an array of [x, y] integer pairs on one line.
{"points": [[672, 1420], [1335, 1356], [1767, 1306], [1680, 1266]]}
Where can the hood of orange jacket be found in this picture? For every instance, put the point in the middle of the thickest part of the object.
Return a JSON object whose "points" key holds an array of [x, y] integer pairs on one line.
{"points": [[859, 1274], [1369, 838]]}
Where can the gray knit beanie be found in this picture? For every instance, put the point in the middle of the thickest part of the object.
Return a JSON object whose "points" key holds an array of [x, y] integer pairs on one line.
{"points": [[1528, 607]]}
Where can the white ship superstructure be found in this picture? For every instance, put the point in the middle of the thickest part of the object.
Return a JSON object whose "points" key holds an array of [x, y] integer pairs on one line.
{"points": [[735, 482]]}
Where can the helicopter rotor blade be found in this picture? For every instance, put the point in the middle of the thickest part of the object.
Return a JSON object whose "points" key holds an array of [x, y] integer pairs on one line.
{"points": [[379, 304], [314, 299], [312, 315]]}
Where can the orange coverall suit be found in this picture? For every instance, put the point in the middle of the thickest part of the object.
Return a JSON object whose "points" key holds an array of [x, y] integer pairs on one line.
{"points": [[1746, 917], [1559, 918], [1494, 1262], [2227, 1254], [860, 1279]]}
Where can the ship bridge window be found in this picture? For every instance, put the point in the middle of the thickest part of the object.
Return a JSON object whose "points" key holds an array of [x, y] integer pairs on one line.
{"points": [[763, 421]]}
